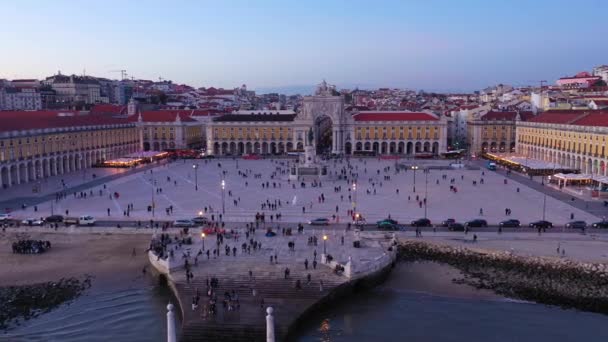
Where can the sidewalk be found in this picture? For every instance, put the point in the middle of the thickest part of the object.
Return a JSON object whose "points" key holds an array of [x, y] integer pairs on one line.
{"points": [[593, 207], [13, 197]]}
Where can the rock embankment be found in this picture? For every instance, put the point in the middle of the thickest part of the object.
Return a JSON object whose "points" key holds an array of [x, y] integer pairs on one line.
{"points": [[28, 301], [552, 281]]}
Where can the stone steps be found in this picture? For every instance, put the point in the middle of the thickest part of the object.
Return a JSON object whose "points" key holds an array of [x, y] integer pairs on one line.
{"points": [[248, 323]]}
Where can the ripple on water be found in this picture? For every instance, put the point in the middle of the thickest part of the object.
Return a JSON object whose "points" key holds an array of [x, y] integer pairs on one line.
{"points": [[134, 311], [412, 305]]}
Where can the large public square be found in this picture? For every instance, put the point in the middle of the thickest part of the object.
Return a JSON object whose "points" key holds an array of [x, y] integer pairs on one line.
{"points": [[380, 192]]}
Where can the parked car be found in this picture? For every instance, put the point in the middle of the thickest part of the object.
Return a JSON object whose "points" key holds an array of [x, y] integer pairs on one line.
{"points": [[210, 230], [512, 223], [54, 219], [389, 226], [577, 224], [476, 223], [69, 220], [448, 222], [319, 222], [200, 220], [541, 224], [386, 221], [601, 224], [5, 217], [33, 222], [86, 220], [423, 222], [456, 227], [183, 223]]}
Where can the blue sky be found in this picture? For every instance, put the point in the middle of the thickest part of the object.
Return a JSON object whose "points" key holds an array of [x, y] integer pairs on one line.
{"points": [[422, 44]]}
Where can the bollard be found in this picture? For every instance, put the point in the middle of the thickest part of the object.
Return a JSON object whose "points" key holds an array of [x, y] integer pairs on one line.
{"points": [[269, 325], [171, 336]]}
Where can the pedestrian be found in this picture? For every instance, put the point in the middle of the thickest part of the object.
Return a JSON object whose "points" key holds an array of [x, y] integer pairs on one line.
{"points": [[314, 264]]}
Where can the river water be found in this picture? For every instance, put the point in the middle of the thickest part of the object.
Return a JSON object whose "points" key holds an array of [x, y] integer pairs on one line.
{"points": [[129, 310], [418, 302]]}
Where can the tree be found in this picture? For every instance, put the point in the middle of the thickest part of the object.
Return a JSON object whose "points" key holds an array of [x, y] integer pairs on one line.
{"points": [[600, 83]]}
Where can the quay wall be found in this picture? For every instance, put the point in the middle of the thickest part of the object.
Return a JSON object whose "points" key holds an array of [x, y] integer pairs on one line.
{"points": [[554, 281]]}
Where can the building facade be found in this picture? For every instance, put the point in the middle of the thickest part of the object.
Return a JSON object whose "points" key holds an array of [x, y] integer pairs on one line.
{"points": [[494, 131], [74, 90], [24, 98], [573, 139], [335, 130], [40, 144]]}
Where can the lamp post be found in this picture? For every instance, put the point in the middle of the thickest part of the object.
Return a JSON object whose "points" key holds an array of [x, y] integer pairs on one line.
{"points": [[415, 167], [355, 198], [223, 197], [153, 191], [203, 239], [195, 167], [545, 201], [324, 245], [426, 193]]}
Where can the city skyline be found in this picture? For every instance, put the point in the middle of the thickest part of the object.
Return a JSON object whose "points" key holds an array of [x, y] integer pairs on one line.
{"points": [[435, 47]]}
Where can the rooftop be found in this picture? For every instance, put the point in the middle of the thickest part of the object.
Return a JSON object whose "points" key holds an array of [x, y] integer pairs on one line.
{"points": [[256, 118], [394, 116], [28, 120]]}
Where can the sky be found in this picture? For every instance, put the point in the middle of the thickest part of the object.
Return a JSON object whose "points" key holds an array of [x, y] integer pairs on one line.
{"points": [[436, 45]]}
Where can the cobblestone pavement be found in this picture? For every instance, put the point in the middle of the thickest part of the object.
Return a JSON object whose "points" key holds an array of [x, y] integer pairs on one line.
{"points": [[376, 197]]}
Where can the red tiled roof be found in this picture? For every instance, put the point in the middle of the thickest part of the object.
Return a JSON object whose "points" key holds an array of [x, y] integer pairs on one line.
{"points": [[492, 115], [595, 118], [108, 109], [525, 116], [557, 117], [27, 120], [394, 116], [469, 106], [165, 115]]}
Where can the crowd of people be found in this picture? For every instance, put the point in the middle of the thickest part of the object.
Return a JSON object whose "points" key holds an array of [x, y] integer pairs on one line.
{"points": [[31, 246]]}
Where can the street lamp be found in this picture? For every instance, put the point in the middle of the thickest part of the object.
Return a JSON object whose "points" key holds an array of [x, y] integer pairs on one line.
{"points": [[415, 167], [203, 239], [426, 192], [355, 198], [223, 197], [324, 245], [195, 167], [153, 191]]}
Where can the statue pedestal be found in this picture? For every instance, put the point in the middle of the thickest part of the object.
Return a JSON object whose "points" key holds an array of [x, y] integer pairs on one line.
{"points": [[309, 156], [308, 169]]}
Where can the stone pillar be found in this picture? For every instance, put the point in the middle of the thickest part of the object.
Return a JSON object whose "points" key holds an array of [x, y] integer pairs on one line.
{"points": [[47, 168], [141, 139], [269, 325], [171, 335]]}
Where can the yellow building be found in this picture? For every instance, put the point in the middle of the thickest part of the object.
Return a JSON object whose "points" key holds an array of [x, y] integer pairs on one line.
{"points": [[252, 133], [40, 144], [393, 132], [574, 139], [378, 132], [169, 129], [494, 131]]}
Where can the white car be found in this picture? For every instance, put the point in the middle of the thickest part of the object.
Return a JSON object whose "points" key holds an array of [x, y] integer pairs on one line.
{"points": [[86, 220], [5, 217], [32, 222]]}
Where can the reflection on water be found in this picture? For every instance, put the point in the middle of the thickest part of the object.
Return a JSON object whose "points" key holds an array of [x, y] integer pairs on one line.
{"points": [[417, 303], [394, 312], [133, 310]]}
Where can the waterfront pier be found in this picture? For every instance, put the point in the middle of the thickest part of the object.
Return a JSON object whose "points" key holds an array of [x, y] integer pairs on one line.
{"points": [[254, 283]]}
